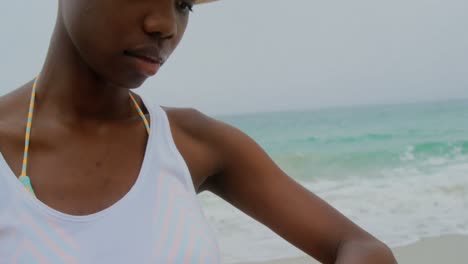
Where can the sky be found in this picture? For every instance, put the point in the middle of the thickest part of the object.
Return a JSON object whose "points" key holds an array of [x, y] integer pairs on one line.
{"points": [[272, 55]]}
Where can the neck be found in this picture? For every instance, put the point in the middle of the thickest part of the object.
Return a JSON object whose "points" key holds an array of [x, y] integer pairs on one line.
{"points": [[70, 89]]}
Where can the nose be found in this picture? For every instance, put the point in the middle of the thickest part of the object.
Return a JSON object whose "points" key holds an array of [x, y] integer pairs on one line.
{"points": [[161, 20]]}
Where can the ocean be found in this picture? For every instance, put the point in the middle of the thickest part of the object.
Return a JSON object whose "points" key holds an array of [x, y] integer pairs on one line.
{"points": [[399, 171]]}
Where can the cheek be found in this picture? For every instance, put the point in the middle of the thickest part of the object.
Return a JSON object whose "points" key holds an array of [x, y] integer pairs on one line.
{"points": [[180, 34], [96, 32], [79, 17], [99, 35]]}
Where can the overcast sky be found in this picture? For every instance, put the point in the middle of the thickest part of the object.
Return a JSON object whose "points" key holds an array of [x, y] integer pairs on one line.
{"points": [[262, 55]]}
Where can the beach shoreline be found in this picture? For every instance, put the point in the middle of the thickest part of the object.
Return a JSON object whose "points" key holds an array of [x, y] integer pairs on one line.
{"points": [[447, 249]]}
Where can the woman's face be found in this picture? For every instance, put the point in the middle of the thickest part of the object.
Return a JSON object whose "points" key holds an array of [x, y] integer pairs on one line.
{"points": [[125, 41]]}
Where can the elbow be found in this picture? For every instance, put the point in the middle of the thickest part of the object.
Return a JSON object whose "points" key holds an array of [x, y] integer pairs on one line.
{"points": [[382, 253], [365, 251]]}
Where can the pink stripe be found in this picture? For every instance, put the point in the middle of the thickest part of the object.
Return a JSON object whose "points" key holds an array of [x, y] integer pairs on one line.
{"points": [[45, 238], [167, 215], [190, 247], [201, 258], [33, 250], [158, 196], [178, 235], [194, 232], [16, 255], [63, 235], [156, 213], [200, 221], [174, 188]]}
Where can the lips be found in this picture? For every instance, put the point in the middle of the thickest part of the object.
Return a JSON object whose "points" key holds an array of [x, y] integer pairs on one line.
{"points": [[147, 59], [149, 54]]}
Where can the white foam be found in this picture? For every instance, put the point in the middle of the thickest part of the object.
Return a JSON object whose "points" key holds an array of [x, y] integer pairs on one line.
{"points": [[408, 155], [398, 206]]}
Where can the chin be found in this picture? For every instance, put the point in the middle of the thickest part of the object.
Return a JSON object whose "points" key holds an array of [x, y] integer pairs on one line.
{"points": [[127, 80]]}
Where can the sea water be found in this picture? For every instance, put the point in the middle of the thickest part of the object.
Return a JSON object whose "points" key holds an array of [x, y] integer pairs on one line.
{"points": [[399, 171]]}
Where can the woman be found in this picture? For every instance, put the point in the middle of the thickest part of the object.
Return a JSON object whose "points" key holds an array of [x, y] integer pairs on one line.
{"points": [[92, 173]]}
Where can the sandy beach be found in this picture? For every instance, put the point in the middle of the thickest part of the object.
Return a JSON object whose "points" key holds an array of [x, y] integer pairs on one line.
{"points": [[449, 249]]}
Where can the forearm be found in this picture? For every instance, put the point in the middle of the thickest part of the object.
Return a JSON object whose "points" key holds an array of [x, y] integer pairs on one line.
{"points": [[364, 252]]}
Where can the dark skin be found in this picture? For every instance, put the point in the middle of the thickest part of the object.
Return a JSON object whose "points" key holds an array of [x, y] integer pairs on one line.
{"points": [[82, 159]]}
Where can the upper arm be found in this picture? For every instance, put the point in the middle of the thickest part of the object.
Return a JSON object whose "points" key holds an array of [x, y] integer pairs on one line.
{"points": [[252, 182]]}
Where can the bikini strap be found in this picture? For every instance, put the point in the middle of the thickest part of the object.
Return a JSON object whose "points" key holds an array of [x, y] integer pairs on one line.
{"points": [[23, 178]]}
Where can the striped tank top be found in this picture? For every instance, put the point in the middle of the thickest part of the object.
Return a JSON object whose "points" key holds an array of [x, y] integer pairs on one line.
{"points": [[160, 220]]}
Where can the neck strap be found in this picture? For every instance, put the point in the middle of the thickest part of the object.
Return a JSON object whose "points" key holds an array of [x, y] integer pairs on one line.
{"points": [[23, 177]]}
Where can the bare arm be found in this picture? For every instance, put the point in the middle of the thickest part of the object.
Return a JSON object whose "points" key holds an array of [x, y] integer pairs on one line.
{"points": [[252, 182]]}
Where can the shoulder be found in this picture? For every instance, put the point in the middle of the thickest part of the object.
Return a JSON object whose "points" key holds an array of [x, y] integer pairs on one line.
{"points": [[206, 142], [192, 121], [195, 132], [202, 127], [228, 146]]}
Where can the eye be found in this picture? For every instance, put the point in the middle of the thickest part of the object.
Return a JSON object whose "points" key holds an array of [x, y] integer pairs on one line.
{"points": [[185, 6]]}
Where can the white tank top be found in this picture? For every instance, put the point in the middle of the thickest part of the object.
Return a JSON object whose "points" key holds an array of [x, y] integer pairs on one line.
{"points": [[159, 220]]}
